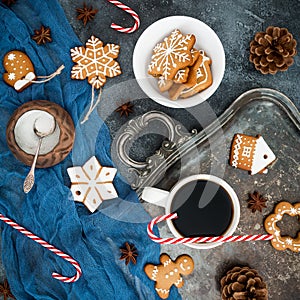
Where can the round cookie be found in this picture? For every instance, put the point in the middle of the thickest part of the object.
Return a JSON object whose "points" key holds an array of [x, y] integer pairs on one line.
{"points": [[169, 272], [19, 70], [283, 242]]}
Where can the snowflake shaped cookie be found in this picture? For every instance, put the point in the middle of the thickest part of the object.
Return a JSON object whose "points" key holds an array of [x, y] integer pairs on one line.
{"points": [[172, 54], [92, 183], [95, 62]]}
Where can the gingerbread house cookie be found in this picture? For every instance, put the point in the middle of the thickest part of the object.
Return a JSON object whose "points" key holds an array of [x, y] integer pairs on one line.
{"points": [[251, 154]]}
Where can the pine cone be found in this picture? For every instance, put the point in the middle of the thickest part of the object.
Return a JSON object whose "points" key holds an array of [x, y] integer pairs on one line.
{"points": [[243, 283], [273, 50]]}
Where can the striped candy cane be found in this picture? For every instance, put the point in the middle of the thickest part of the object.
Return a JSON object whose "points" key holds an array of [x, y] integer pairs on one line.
{"points": [[182, 240], [49, 247], [134, 15]]}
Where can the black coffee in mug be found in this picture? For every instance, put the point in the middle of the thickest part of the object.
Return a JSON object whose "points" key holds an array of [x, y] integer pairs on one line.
{"points": [[204, 208]]}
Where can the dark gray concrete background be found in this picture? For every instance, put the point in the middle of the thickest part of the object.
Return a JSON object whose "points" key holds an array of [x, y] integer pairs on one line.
{"points": [[235, 22]]}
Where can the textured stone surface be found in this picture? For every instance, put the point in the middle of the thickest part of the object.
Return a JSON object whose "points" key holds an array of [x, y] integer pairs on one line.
{"points": [[280, 269]]}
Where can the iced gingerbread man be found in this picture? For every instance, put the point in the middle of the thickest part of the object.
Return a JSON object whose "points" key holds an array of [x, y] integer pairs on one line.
{"points": [[169, 272]]}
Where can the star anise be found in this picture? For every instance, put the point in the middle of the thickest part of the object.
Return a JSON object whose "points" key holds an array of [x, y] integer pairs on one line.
{"points": [[42, 35], [9, 2], [86, 14], [256, 202], [125, 109], [5, 290], [129, 253]]}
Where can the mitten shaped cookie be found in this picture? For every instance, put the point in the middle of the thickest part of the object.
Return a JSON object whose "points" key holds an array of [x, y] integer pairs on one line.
{"points": [[19, 70], [169, 272]]}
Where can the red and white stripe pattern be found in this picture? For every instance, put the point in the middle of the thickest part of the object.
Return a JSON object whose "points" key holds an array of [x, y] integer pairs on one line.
{"points": [[49, 247], [208, 239], [134, 15]]}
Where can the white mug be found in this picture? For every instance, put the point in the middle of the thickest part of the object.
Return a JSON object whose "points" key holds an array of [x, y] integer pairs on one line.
{"points": [[164, 198]]}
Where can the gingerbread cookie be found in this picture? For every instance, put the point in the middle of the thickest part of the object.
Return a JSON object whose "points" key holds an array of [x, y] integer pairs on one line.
{"points": [[95, 62], [173, 54], [251, 154], [19, 70], [203, 77], [182, 75], [169, 272], [176, 90], [283, 242], [164, 84]]}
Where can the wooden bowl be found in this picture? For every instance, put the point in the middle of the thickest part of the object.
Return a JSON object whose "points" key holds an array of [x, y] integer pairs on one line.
{"points": [[22, 140]]}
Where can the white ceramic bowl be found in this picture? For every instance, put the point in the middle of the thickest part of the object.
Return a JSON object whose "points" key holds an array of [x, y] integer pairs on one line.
{"points": [[206, 39]]}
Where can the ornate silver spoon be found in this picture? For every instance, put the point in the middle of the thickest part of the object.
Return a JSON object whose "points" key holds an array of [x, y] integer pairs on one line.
{"points": [[42, 128]]}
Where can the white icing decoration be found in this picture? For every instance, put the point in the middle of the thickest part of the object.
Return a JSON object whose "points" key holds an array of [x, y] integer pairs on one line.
{"points": [[170, 52], [11, 76], [180, 75], [263, 156], [293, 211], [154, 273], [178, 281], [247, 151], [236, 149], [167, 262], [11, 56], [161, 81], [163, 291], [22, 82], [199, 73]]}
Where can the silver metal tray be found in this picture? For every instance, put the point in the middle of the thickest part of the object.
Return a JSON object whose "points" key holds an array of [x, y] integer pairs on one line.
{"points": [[259, 111]]}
